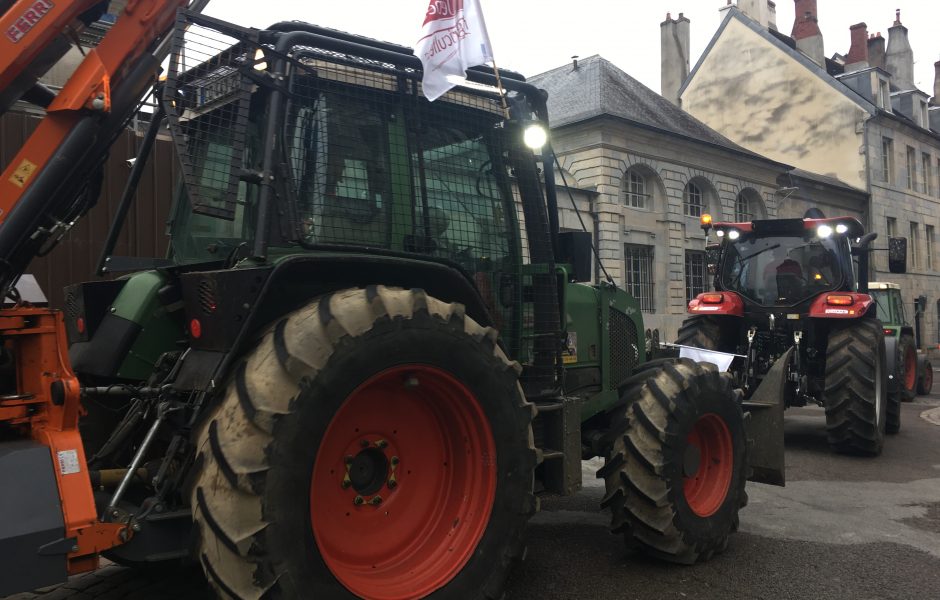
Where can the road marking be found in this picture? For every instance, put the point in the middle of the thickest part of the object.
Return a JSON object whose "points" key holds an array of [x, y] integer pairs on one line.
{"points": [[932, 416]]}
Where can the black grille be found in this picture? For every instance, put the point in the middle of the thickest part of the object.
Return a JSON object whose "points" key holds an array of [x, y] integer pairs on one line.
{"points": [[207, 297], [73, 309], [624, 352]]}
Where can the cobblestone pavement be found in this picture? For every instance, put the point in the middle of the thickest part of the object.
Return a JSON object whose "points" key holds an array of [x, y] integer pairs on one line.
{"points": [[843, 527]]}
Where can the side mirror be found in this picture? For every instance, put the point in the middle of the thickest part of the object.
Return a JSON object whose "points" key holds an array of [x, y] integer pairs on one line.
{"points": [[712, 257], [575, 250], [897, 255]]}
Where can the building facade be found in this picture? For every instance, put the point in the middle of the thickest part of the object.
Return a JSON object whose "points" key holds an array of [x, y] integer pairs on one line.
{"points": [[856, 120], [644, 172]]}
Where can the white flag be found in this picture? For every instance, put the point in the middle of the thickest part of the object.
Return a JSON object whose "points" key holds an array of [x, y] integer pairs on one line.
{"points": [[453, 39]]}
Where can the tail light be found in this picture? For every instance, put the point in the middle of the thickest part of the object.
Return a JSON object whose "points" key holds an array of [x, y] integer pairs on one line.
{"points": [[839, 300], [888, 331], [713, 298]]}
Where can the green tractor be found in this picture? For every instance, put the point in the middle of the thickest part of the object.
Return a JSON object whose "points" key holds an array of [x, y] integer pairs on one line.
{"points": [[910, 371], [370, 349]]}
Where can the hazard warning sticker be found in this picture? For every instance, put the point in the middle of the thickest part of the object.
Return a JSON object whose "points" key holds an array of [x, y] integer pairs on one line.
{"points": [[68, 462], [22, 173]]}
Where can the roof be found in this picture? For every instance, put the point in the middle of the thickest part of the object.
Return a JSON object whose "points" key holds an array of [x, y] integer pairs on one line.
{"points": [[596, 87], [825, 180], [829, 74]]}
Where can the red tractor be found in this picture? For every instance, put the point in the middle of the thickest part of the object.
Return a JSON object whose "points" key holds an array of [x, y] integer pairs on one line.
{"points": [[796, 291]]}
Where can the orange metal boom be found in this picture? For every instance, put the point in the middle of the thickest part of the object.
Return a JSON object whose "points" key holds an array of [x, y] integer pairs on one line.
{"points": [[37, 189]]}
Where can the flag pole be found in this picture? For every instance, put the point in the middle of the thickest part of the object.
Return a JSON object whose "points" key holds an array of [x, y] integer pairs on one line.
{"points": [[502, 92]]}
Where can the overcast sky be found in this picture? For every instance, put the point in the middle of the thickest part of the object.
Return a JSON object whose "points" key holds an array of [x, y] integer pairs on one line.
{"points": [[533, 36]]}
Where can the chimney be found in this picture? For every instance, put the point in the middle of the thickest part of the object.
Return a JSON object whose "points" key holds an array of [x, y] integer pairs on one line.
{"points": [[936, 84], [674, 40], [857, 58], [758, 10], [574, 62], [876, 51], [724, 10], [806, 32], [771, 15], [900, 57]]}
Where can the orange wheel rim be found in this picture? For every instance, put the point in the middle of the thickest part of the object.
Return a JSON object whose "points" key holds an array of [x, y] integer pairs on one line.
{"points": [[403, 483], [708, 465]]}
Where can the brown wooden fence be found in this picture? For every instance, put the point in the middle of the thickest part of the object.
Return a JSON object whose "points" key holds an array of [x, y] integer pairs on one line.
{"points": [[76, 256]]}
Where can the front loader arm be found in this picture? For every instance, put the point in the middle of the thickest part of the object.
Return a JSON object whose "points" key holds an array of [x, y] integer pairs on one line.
{"points": [[51, 180]]}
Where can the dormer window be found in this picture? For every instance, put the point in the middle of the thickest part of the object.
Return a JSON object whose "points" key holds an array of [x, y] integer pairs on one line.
{"points": [[884, 95], [923, 117]]}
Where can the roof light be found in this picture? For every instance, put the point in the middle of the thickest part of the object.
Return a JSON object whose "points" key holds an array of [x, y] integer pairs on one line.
{"points": [[720, 233], [733, 234], [535, 136], [840, 300], [824, 231], [705, 220], [260, 64], [842, 228]]}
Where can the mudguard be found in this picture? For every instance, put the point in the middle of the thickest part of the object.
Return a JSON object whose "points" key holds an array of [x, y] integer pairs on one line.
{"points": [[764, 425], [893, 364]]}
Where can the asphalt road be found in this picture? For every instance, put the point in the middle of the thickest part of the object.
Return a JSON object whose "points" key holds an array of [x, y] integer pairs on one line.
{"points": [[843, 527]]}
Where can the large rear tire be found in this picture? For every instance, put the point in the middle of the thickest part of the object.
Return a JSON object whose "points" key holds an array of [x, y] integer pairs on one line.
{"points": [[700, 331], [676, 471], [856, 393], [908, 370], [375, 444]]}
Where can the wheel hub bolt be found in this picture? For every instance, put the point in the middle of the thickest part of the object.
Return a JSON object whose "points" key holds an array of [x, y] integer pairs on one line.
{"points": [[394, 461], [392, 484], [380, 444], [349, 459], [376, 501], [346, 482], [358, 500], [411, 382], [364, 443]]}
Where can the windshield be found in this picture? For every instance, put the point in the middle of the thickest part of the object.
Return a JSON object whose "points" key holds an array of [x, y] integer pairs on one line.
{"points": [[781, 270]]}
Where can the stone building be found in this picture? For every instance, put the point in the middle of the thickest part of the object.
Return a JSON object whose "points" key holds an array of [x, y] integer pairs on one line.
{"points": [[855, 118], [643, 172]]}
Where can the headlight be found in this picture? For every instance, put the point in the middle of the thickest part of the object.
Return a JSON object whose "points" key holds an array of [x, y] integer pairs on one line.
{"points": [[824, 231], [720, 233], [842, 228], [535, 136], [733, 234]]}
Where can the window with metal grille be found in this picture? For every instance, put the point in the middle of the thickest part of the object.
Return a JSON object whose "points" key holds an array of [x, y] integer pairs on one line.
{"points": [[694, 274], [742, 208], [692, 200], [887, 159], [635, 195], [911, 169], [638, 269]]}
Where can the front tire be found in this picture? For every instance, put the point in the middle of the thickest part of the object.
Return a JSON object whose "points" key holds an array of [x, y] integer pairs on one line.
{"points": [[375, 444], [856, 392], [908, 375], [676, 471], [925, 381]]}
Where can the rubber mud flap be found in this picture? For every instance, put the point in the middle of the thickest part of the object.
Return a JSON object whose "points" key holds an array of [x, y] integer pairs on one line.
{"points": [[30, 517], [765, 425]]}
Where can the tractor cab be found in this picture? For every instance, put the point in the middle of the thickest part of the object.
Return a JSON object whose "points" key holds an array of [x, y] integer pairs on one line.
{"points": [[786, 263]]}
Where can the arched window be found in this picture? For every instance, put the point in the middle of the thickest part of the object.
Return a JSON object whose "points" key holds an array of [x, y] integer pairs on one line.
{"points": [[693, 201], [743, 211], [635, 192], [748, 206]]}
